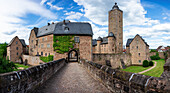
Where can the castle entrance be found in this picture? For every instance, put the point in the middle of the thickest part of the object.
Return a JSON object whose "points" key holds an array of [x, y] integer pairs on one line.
{"points": [[73, 56]]}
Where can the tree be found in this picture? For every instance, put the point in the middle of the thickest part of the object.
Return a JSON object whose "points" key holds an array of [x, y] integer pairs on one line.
{"points": [[145, 63], [3, 50]]}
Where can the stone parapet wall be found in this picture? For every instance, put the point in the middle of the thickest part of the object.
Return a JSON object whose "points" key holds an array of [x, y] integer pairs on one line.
{"points": [[114, 59], [24, 81], [124, 82]]}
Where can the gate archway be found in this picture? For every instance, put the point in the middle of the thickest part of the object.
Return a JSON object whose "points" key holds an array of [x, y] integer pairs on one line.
{"points": [[73, 56]]}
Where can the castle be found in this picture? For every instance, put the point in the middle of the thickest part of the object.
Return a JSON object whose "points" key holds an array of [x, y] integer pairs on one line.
{"points": [[73, 40]]}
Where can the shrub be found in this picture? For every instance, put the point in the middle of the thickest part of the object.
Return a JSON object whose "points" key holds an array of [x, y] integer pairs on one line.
{"points": [[153, 50], [155, 57], [151, 63], [145, 63], [6, 65], [47, 59]]}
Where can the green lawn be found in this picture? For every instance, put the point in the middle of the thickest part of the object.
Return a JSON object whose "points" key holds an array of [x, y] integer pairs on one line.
{"points": [[158, 70], [20, 65], [135, 69]]}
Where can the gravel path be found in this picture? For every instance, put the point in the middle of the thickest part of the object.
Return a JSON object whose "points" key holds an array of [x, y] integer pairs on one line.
{"points": [[72, 79], [149, 68]]}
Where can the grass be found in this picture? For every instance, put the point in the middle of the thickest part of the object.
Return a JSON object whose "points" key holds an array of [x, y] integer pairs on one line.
{"points": [[135, 69], [20, 65], [158, 70]]}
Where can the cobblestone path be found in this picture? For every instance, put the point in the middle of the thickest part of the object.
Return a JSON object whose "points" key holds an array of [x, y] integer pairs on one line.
{"points": [[72, 79]]}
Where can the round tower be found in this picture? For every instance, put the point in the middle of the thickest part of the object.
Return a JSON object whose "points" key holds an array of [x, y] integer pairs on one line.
{"points": [[111, 42], [116, 26], [99, 39]]}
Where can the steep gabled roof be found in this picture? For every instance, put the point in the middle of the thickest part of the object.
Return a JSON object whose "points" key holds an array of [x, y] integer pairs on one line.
{"points": [[12, 40], [131, 39], [94, 42], [128, 42], [23, 42]]}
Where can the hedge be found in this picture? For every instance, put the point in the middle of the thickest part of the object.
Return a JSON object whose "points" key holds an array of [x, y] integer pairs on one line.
{"points": [[145, 63]]}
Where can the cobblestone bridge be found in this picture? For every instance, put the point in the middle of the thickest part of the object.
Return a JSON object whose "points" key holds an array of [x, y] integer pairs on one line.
{"points": [[72, 78]]}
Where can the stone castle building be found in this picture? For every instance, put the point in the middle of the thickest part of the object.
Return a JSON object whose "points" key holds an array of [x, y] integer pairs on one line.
{"points": [[138, 48], [41, 40], [16, 48], [113, 43]]}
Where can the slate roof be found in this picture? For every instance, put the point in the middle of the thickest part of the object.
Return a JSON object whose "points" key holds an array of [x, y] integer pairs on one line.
{"points": [[75, 28], [94, 42], [128, 42], [116, 7], [23, 42], [104, 40], [131, 39]]}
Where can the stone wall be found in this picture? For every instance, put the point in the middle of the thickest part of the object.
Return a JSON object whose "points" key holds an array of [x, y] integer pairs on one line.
{"points": [[161, 54], [32, 60], [24, 81], [114, 59], [124, 82]]}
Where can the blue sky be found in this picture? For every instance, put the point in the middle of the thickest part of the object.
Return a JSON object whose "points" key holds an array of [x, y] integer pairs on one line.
{"points": [[148, 18]]}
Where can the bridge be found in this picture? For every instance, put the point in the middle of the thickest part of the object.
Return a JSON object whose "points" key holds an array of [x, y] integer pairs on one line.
{"points": [[82, 77]]}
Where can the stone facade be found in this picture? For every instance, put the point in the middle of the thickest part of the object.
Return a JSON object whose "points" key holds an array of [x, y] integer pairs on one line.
{"points": [[116, 27], [115, 59], [139, 50], [15, 49], [44, 46], [113, 43], [32, 60]]}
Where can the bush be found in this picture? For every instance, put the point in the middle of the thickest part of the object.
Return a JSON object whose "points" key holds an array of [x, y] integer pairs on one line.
{"points": [[47, 59], [153, 50], [155, 57], [151, 63], [6, 65], [145, 63]]}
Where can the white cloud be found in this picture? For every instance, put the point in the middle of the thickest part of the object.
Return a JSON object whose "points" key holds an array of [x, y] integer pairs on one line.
{"points": [[164, 18], [42, 2], [11, 17], [54, 6], [73, 15], [97, 11]]}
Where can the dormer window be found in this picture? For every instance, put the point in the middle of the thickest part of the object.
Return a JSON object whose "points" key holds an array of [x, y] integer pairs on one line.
{"points": [[66, 29]]}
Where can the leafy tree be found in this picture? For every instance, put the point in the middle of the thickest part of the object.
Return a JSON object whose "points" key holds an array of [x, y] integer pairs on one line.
{"points": [[3, 50], [153, 50], [6, 65]]}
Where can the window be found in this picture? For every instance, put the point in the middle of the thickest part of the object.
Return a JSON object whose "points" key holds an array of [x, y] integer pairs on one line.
{"points": [[48, 45], [66, 29], [16, 48], [42, 45], [49, 54], [46, 38], [139, 61], [38, 53], [41, 53], [32, 41], [113, 50], [17, 53], [45, 54], [76, 39], [137, 47], [16, 42], [36, 42], [42, 39], [139, 54]]}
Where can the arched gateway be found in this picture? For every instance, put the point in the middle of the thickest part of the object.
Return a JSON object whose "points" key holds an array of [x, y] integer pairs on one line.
{"points": [[73, 56]]}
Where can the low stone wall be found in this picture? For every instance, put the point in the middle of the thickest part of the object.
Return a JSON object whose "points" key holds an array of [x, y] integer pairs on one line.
{"points": [[27, 80], [114, 59], [32, 60], [124, 82]]}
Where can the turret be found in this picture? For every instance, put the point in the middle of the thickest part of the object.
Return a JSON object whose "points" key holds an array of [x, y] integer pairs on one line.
{"points": [[99, 39]]}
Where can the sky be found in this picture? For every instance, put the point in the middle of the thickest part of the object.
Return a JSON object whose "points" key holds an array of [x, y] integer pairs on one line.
{"points": [[148, 18]]}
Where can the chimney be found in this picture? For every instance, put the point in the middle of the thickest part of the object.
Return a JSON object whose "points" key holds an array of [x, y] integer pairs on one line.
{"points": [[52, 22], [48, 24], [64, 22]]}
